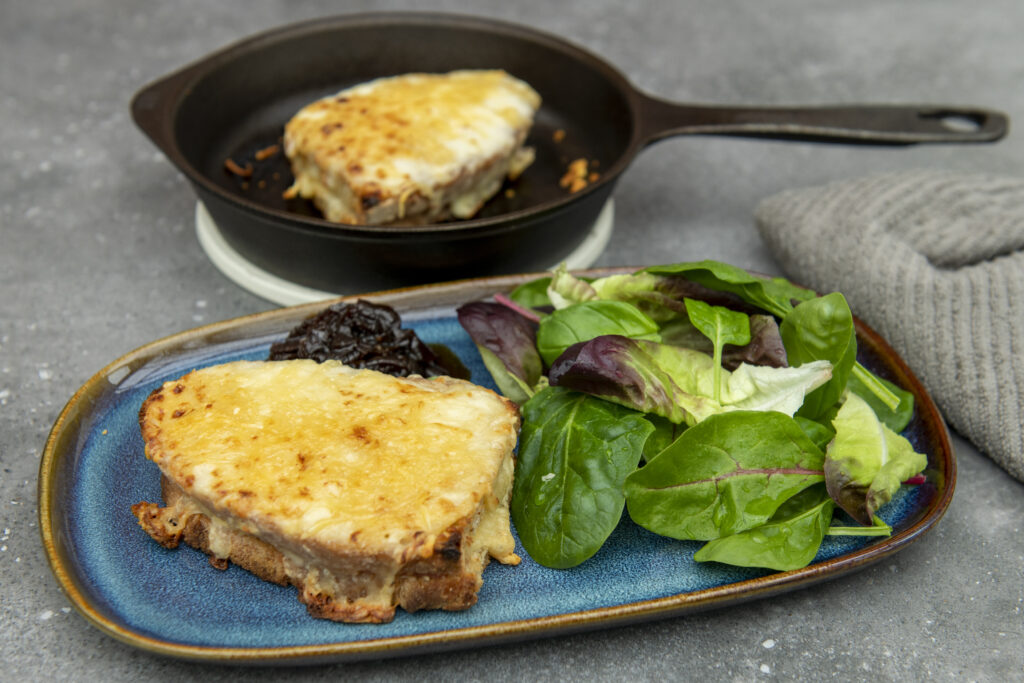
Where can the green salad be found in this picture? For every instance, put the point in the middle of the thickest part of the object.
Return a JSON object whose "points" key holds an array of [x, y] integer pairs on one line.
{"points": [[710, 403]]}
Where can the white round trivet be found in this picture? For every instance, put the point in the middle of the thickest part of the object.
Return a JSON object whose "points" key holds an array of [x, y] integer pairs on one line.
{"points": [[273, 288]]}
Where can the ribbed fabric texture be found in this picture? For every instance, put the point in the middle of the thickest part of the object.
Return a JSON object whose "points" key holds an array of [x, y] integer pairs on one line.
{"points": [[935, 262]]}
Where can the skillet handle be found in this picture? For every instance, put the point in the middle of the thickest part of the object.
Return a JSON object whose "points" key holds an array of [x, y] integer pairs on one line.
{"points": [[854, 124]]}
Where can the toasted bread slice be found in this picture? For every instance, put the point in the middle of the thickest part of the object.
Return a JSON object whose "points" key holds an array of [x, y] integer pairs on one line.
{"points": [[364, 490], [411, 149]]}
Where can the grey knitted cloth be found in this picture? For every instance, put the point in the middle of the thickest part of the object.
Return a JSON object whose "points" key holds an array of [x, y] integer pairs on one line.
{"points": [[935, 262]]}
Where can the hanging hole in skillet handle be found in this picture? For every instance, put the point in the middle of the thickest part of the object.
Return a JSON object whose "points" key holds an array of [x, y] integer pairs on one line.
{"points": [[968, 125], [957, 122]]}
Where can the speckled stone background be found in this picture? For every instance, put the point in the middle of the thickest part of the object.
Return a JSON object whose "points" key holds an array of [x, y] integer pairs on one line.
{"points": [[98, 256]]}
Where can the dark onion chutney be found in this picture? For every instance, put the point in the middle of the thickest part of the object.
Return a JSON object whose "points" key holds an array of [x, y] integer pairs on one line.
{"points": [[365, 335]]}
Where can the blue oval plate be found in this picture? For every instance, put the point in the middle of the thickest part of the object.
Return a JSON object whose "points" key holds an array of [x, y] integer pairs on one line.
{"points": [[172, 602]]}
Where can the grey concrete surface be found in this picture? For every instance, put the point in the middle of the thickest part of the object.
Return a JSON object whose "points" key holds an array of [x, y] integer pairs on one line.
{"points": [[98, 256]]}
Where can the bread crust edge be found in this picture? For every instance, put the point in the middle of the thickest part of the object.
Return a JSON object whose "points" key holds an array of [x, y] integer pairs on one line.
{"points": [[449, 579]]}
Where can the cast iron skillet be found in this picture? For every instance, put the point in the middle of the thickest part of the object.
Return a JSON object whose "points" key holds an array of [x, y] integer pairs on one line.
{"points": [[236, 101]]}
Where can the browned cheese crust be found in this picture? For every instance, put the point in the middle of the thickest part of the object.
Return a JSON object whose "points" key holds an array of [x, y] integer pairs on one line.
{"points": [[411, 149], [402, 533]]}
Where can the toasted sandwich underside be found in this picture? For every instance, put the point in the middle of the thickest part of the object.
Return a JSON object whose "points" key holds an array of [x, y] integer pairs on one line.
{"points": [[361, 592], [363, 490]]}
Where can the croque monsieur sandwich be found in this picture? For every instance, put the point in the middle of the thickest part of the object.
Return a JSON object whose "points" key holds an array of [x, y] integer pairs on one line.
{"points": [[411, 149], [363, 490]]}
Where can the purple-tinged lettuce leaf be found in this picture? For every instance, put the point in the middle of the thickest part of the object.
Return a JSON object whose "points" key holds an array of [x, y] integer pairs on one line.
{"points": [[652, 294], [629, 372], [765, 347], [866, 461], [902, 463], [662, 296], [659, 296], [678, 383], [506, 341]]}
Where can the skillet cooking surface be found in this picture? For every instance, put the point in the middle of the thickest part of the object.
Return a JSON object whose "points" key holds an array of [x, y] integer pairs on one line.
{"points": [[556, 140], [249, 114]]}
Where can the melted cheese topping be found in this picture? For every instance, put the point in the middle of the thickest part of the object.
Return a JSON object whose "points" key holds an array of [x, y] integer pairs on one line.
{"points": [[336, 459], [416, 134]]}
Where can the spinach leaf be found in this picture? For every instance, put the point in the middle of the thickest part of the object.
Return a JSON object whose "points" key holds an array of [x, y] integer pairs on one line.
{"points": [[505, 340], [866, 462], [677, 383], [896, 418], [532, 294], [822, 329], [722, 327], [765, 346], [774, 295], [725, 475], [575, 452], [817, 432], [679, 331], [877, 528], [789, 540], [665, 432], [584, 321]]}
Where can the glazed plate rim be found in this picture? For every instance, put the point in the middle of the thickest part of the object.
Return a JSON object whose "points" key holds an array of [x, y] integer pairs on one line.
{"points": [[67, 435]]}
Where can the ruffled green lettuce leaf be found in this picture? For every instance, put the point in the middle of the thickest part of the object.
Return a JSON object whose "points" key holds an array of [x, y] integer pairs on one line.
{"points": [[866, 461]]}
